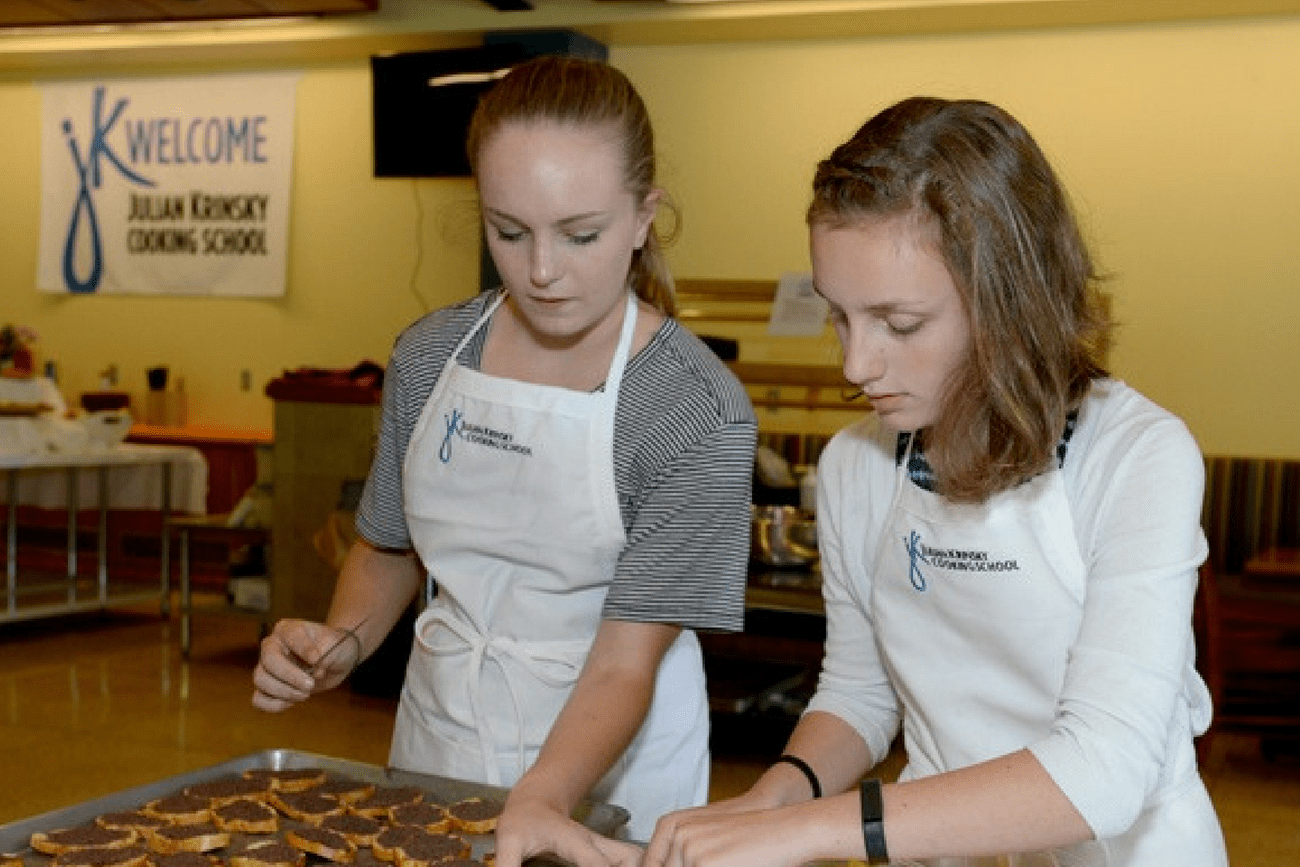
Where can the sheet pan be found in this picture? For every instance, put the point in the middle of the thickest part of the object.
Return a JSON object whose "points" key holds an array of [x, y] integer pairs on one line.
{"points": [[15, 837]]}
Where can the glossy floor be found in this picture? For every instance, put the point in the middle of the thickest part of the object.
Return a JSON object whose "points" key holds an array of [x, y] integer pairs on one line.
{"points": [[92, 705]]}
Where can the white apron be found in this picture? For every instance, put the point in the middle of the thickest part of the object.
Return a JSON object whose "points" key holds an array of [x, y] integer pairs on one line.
{"points": [[512, 507], [978, 606]]}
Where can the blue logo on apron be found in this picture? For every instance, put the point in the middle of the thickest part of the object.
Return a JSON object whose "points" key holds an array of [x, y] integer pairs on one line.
{"points": [[454, 421], [912, 542]]}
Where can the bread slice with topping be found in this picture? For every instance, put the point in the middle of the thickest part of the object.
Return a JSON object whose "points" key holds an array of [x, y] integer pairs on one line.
{"points": [[424, 850], [134, 819], [361, 830], [184, 859], [385, 844], [347, 790], [180, 809], [475, 815], [287, 779], [134, 855], [246, 816], [306, 806], [82, 837], [271, 853], [330, 845], [423, 814], [199, 837], [227, 789], [384, 798]]}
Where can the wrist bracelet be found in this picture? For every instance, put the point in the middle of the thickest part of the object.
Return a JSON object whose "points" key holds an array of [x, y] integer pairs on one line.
{"points": [[807, 772], [873, 825]]}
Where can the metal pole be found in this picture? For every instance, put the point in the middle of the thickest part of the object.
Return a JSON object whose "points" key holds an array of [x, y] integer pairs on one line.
{"points": [[103, 534], [11, 538], [165, 588], [74, 498]]}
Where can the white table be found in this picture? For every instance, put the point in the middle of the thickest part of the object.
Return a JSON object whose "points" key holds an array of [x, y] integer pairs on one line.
{"points": [[123, 476]]}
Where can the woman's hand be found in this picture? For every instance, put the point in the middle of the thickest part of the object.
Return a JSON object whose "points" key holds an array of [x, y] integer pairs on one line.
{"points": [[300, 658], [734, 832], [529, 827]]}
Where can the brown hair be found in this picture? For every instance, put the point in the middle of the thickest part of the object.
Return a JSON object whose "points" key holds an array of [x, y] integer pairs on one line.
{"points": [[581, 92], [969, 172]]}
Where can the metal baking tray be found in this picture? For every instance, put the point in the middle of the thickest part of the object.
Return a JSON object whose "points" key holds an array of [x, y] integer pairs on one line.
{"points": [[15, 837]]}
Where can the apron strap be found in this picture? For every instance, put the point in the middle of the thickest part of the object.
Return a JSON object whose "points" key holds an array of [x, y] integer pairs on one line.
{"points": [[537, 658]]}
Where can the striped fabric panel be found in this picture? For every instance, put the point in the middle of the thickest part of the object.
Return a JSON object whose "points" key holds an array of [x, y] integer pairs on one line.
{"points": [[1250, 504]]}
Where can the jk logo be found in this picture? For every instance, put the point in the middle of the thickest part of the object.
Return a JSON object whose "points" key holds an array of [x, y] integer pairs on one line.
{"points": [[912, 542], [89, 177], [453, 421]]}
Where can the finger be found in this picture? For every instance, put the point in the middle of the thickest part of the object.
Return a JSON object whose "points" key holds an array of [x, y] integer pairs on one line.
{"points": [[279, 667], [265, 702], [278, 678], [582, 850], [656, 853], [619, 853], [508, 853]]}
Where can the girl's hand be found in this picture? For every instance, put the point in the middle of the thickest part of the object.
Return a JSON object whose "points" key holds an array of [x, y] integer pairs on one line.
{"points": [[726, 834], [529, 827], [300, 658]]}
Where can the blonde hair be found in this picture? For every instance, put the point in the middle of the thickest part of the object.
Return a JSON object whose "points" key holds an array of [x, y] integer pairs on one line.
{"points": [[583, 92], [969, 172]]}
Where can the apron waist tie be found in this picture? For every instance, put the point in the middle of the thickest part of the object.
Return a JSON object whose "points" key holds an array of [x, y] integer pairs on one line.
{"points": [[533, 657]]}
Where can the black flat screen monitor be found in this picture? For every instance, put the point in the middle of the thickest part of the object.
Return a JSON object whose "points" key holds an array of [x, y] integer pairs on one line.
{"points": [[423, 101]]}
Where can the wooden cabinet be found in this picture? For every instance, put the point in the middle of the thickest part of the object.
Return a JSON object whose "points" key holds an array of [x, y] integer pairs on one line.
{"points": [[322, 457]]}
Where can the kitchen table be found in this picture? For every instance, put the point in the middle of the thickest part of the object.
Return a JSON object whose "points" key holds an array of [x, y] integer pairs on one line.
{"points": [[120, 476]]}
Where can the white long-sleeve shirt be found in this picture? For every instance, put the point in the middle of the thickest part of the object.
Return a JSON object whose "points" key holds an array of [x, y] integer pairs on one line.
{"points": [[1131, 702]]}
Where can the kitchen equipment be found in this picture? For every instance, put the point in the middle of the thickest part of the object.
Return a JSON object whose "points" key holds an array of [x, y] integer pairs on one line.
{"points": [[14, 837], [782, 536]]}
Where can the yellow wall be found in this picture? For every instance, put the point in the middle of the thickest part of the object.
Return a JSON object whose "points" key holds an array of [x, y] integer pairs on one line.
{"points": [[1181, 144]]}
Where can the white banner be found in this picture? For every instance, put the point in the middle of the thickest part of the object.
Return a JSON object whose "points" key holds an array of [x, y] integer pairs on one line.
{"points": [[177, 186]]}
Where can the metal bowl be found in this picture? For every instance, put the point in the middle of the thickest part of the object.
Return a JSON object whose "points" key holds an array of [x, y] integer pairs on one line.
{"points": [[782, 536]]}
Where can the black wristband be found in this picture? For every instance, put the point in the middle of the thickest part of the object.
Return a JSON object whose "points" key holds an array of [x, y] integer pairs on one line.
{"points": [[873, 825], [807, 772]]}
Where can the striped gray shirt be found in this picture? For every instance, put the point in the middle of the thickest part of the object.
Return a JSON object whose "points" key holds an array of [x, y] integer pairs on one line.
{"points": [[684, 434]]}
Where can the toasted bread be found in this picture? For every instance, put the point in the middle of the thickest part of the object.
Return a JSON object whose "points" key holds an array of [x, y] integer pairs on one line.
{"points": [[82, 837], [347, 790], [184, 859], [244, 815], [287, 779], [361, 830], [475, 815], [180, 809], [423, 814], [271, 853], [424, 850], [306, 806], [330, 845], [227, 789], [384, 798], [96, 856], [198, 837], [384, 846], [133, 819]]}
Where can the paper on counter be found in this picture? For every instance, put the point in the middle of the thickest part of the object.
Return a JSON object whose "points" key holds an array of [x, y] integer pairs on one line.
{"points": [[797, 309]]}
